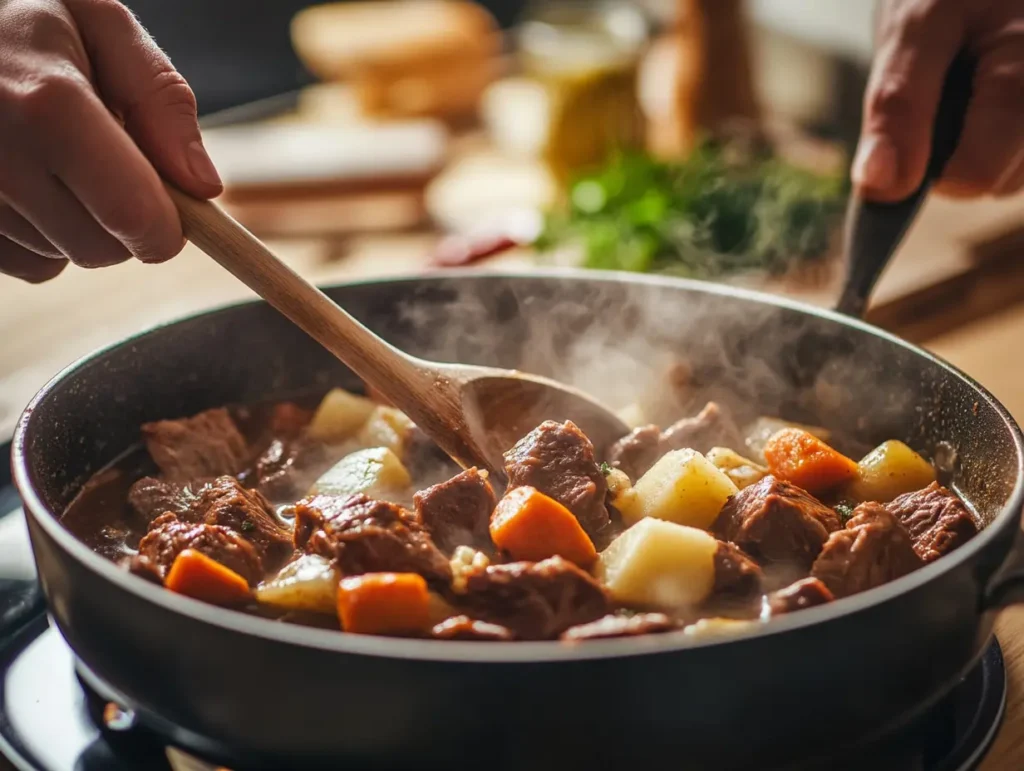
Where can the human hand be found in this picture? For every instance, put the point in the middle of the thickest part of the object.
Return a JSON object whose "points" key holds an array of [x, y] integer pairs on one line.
{"points": [[92, 114], [917, 41]]}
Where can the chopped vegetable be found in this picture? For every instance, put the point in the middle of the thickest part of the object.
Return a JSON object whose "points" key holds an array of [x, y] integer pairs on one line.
{"points": [[887, 472], [384, 603], [340, 415], [714, 213], [658, 563], [712, 628], [803, 459], [386, 427], [606, 468], [845, 511], [377, 473], [742, 471], [309, 583], [682, 487], [196, 575], [531, 526], [761, 430]]}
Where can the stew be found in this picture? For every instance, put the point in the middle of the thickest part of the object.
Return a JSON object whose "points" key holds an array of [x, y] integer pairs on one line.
{"points": [[340, 513]]}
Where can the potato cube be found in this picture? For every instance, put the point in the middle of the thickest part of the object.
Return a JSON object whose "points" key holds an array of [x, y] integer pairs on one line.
{"points": [[659, 563], [620, 489], [310, 583], [888, 471], [742, 471], [714, 628], [761, 430], [376, 472], [682, 487], [386, 427], [339, 416]]}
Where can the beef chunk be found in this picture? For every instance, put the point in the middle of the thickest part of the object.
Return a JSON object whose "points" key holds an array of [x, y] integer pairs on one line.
{"points": [[558, 460], [805, 593], [288, 467], [150, 497], [776, 521], [168, 536], [226, 503], [206, 445], [735, 572], [636, 452], [288, 420], [711, 427], [873, 549], [536, 600], [620, 626], [466, 628], [367, 536], [936, 519], [458, 512]]}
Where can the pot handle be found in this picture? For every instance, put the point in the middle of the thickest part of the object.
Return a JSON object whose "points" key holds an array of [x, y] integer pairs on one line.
{"points": [[874, 230], [1007, 586]]}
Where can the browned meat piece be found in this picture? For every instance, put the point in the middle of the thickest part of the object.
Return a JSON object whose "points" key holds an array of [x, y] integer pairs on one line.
{"points": [[466, 628], [805, 593], [637, 451], [288, 468], [150, 497], [367, 536], [558, 460], [168, 536], [735, 572], [873, 549], [288, 420], [936, 519], [711, 427], [206, 445], [776, 521], [458, 512], [226, 503], [620, 626], [536, 600]]}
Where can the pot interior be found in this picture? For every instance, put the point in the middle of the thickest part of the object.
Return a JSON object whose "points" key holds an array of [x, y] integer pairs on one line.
{"points": [[622, 340]]}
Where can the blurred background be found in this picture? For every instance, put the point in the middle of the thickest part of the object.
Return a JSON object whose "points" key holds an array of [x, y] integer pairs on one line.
{"points": [[700, 138]]}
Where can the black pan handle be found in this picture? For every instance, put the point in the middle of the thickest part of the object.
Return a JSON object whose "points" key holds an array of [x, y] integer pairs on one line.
{"points": [[1007, 588], [874, 230]]}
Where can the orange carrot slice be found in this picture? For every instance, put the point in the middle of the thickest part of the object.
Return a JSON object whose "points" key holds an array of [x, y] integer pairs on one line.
{"points": [[384, 603], [803, 459], [531, 526], [194, 574]]}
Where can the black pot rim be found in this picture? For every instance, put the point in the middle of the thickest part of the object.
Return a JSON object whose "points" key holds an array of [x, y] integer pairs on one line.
{"points": [[521, 652]]}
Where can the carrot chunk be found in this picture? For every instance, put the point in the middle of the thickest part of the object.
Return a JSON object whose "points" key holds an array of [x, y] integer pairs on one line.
{"points": [[384, 603], [531, 526], [194, 574], [803, 459]]}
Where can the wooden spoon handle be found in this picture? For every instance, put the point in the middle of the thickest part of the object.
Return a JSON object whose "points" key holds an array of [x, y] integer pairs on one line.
{"points": [[214, 231]]}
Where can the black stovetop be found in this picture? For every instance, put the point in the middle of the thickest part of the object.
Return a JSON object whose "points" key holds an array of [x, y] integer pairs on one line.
{"points": [[51, 721]]}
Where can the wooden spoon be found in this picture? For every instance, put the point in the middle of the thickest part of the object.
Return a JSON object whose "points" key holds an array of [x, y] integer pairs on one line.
{"points": [[473, 413]]}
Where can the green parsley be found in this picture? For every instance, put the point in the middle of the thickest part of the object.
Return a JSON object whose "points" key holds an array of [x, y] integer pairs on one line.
{"points": [[845, 511], [605, 468]]}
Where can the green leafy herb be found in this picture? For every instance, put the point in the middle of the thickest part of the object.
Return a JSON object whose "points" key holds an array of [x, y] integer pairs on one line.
{"points": [[247, 525], [845, 511], [605, 468], [715, 213]]}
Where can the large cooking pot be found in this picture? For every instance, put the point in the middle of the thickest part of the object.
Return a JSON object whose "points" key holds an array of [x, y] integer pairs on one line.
{"points": [[249, 691]]}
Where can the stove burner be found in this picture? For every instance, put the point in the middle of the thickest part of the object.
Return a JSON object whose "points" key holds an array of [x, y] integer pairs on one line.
{"points": [[50, 721]]}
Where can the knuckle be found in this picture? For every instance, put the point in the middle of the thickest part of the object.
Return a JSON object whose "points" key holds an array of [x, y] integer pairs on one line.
{"points": [[50, 97], [890, 99]]}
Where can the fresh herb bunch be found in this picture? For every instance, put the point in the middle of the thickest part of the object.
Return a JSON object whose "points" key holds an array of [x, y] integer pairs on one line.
{"points": [[715, 213]]}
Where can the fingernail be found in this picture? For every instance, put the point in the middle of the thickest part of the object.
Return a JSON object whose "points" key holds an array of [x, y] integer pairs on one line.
{"points": [[875, 165], [201, 165]]}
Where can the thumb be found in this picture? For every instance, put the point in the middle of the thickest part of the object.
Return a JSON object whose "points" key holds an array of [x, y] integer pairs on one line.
{"points": [[138, 82], [915, 48]]}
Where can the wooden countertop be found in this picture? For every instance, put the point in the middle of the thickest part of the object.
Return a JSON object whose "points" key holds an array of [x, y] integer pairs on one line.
{"points": [[46, 327]]}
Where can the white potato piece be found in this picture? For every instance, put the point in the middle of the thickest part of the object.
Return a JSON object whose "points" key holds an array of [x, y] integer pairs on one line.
{"points": [[633, 416], [888, 471], [759, 431], [620, 488], [376, 472], [659, 563], [682, 487], [386, 427], [309, 583], [742, 471], [714, 628], [340, 415]]}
